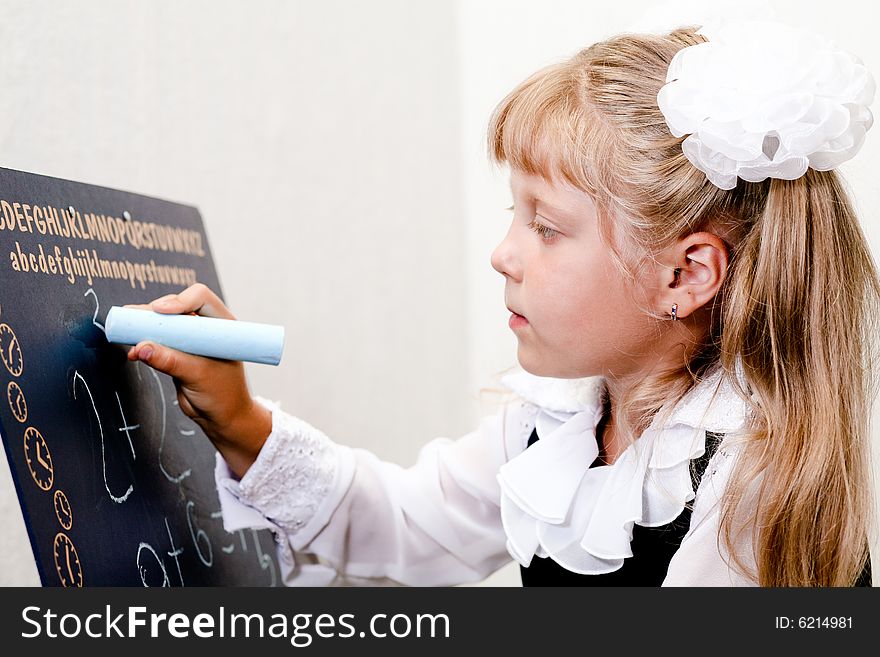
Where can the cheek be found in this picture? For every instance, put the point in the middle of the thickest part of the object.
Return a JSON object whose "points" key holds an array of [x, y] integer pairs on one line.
{"points": [[573, 293], [590, 308]]}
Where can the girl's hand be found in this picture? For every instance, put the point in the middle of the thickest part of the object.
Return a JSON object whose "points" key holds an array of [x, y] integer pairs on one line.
{"points": [[213, 392]]}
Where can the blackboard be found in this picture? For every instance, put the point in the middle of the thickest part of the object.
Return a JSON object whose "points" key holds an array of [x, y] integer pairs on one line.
{"points": [[115, 483]]}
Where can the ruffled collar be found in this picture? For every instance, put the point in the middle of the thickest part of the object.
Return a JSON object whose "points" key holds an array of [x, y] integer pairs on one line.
{"points": [[553, 504]]}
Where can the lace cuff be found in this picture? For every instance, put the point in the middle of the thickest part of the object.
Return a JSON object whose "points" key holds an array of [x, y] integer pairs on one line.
{"points": [[298, 479]]}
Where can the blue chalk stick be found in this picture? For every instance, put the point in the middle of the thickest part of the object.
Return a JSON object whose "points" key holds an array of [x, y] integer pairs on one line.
{"points": [[204, 336]]}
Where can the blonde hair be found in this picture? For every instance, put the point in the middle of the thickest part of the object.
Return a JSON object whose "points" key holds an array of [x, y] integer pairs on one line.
{"points": [[799, 306]]}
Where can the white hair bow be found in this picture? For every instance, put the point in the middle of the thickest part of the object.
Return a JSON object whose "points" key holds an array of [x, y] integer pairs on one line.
{"points": [[763, 99]]}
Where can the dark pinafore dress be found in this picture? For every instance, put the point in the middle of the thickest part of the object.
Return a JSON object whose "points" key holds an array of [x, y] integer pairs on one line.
{"points": [[652, 547]]}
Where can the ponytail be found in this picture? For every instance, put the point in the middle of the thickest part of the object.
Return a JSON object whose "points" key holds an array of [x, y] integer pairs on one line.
{"points": [[800, 308]]}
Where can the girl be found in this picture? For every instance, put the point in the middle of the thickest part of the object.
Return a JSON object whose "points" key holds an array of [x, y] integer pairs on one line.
{"points": [[693, 321]]}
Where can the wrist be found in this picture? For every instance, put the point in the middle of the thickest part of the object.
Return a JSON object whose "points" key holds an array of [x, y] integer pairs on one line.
{"points": [[244, 436]]}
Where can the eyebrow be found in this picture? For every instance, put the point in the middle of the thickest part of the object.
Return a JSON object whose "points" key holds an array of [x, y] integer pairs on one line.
{"points": [[562, 215], [556, 213]]}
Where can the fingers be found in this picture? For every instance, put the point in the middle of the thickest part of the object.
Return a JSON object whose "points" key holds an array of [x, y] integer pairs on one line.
{"points": [[196, 299], [184, 404], [199, 299], [186, 368]]}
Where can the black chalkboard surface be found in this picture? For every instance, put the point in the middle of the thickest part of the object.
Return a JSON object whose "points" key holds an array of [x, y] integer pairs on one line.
{"points": [[115, 483]]}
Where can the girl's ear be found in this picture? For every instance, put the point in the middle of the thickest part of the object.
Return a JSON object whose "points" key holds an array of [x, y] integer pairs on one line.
{"points": [[697, 271]]}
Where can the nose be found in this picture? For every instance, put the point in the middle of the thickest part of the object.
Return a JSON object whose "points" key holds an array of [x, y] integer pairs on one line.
{"points": [[503, 258]]}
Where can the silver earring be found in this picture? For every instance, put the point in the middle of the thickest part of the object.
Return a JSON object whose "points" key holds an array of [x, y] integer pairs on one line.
{"points": [[674, 312]]}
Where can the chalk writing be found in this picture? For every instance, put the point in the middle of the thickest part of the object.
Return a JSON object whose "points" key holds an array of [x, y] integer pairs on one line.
{"points": [[199, 535], [143, 570], [175, 552], [119, 499], [175, 479]]}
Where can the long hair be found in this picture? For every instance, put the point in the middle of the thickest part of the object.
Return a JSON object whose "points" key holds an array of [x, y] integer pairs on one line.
{"points": [[797, 312]]}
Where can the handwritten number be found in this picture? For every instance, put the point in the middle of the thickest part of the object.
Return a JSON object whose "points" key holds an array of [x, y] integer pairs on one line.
{"points": [[97, 308], [119, 500], [142, 569], [186, 473], [197, 535]]}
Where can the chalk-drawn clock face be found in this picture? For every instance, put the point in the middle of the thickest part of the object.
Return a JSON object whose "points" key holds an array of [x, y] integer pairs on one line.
{"points": [[39, 460], [17, 402], [10, 350], [67, 561], [62, 510]]}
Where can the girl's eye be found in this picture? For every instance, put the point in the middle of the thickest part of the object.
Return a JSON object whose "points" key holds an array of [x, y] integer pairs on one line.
{"points": [[547, 234]]}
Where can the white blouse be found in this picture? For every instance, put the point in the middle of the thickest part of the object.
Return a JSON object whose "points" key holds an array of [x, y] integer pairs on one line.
{"points": [[341, 516]]}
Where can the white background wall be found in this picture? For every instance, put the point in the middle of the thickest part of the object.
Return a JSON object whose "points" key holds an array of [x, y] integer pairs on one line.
{"points": [[336, 151]]}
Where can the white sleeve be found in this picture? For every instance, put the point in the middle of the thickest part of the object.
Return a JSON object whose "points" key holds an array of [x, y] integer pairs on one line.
{"points": [[343, 516], [702, 559]]}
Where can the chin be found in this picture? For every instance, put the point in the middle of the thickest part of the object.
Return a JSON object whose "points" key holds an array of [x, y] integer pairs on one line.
{"points": [[552, 370]]}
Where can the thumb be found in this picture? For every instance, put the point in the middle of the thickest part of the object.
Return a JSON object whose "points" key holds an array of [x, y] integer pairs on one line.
{"points": [[187, 368]]}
